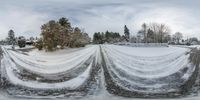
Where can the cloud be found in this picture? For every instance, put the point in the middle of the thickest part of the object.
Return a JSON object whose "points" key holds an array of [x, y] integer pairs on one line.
{"points": [[22, 21], [26, 16], [178, 19]]}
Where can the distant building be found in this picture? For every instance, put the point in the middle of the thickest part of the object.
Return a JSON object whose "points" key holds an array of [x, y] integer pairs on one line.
{"points": [[31, 41]]}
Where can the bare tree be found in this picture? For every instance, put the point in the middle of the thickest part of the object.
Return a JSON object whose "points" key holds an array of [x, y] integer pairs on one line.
{"points": [[153, 27], [163, 31], [160, 31], [178, 36]]}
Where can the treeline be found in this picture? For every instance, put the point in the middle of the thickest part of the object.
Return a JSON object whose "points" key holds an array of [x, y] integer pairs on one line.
{"points": [[12, 40], [107, 37], [54, 35], [160, 33], [59, 34], [154, 33], [111, 37], [21, 41], [149, 33]]}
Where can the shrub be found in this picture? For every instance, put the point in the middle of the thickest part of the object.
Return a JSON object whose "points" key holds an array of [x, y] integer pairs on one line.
{"points": [[21, 42], [39, 44]]}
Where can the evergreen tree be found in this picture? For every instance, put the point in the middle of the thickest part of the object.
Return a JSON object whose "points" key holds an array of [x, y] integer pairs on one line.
{"points": [[64, 22], [108, 37], [11, 38], [126, 33], [98, 38], [150, 36], [144, 32], [103, 38], [94, 38], [66, 31], [21, 41]]}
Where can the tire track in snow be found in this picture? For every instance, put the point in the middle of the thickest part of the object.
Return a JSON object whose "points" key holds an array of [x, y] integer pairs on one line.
{"points": [[114, 87], [89, 85], [94, 83]]}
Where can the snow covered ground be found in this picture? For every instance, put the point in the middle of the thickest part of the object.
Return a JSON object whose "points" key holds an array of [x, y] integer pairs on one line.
{"points": [[47, 66], [4, 96], [185, 46], [97, 72]]}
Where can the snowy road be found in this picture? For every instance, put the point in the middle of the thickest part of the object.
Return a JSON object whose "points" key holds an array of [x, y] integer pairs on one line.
{"points": [[98, 72]]}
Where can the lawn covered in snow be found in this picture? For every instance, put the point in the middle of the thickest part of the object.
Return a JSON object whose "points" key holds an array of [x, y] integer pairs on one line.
{"points": [[148, 69], [143, 70]]}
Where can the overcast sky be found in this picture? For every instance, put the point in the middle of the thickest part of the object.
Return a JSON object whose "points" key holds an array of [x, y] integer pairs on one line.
{"points": [[25, 17]]}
